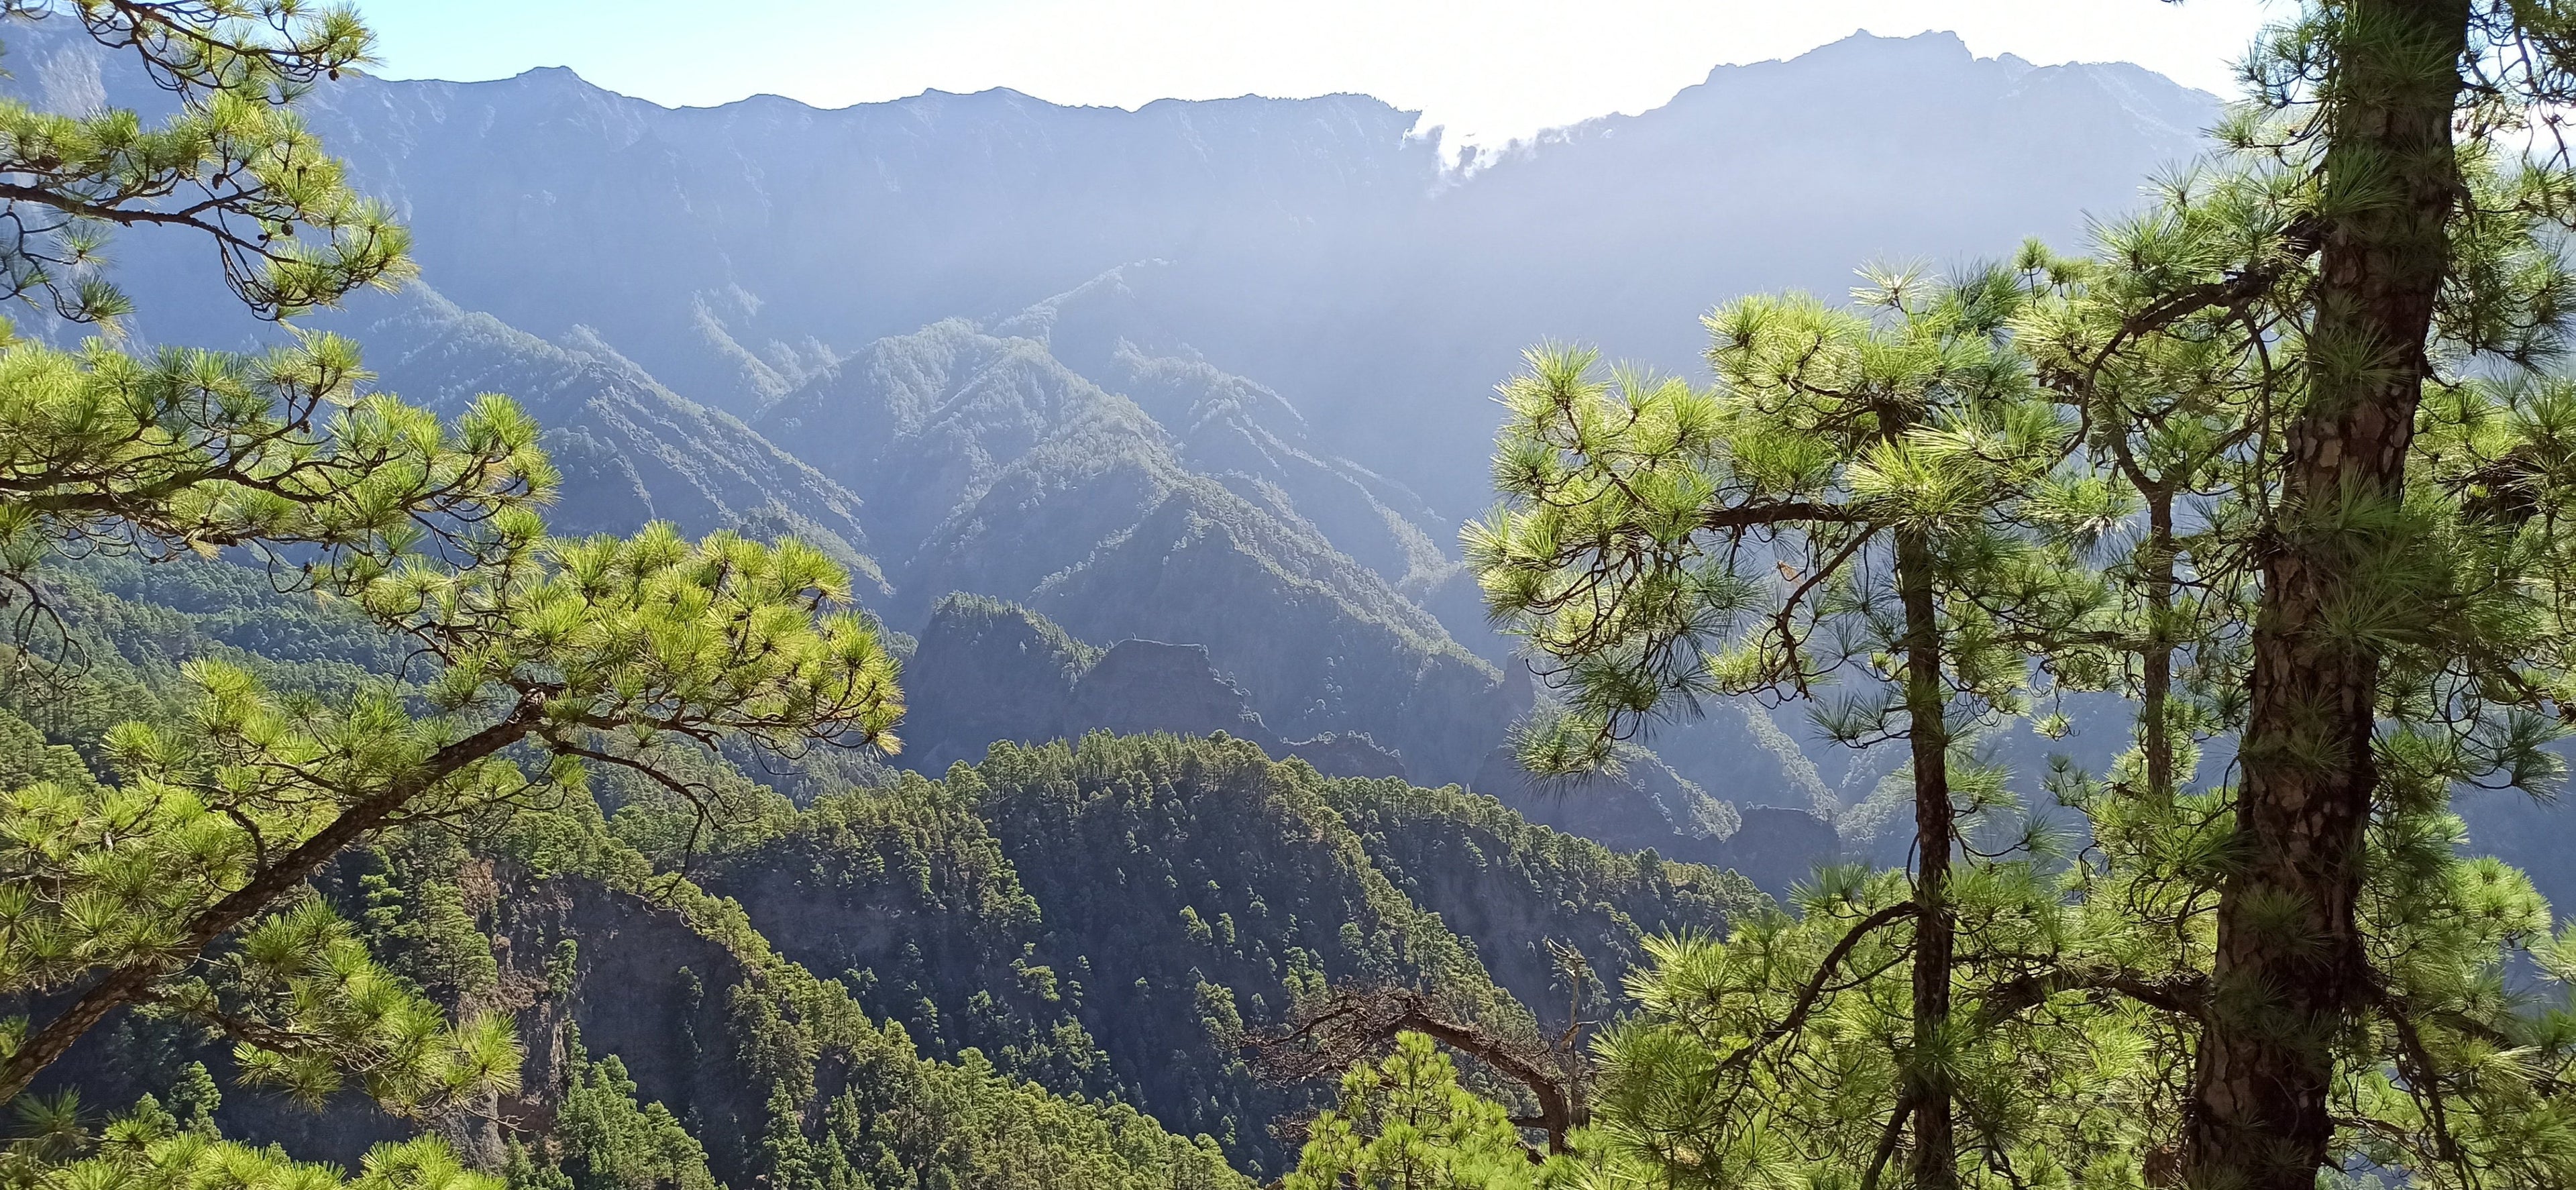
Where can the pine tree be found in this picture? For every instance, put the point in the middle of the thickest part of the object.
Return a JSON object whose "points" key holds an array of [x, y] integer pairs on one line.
{"points": [[147, 1148], [2365, 592], [1894, 468], [180, 888], [234, 167], [604, 651], [2177, 391], [1405, 1124], [2290, 969], [608, 1142], [784, 1147], [2387, 112], [283, 456]]}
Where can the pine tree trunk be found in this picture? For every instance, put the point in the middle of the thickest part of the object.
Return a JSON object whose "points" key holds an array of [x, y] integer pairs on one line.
{"points": [[2158, 686], [1934, 1161], [2289, 970]]}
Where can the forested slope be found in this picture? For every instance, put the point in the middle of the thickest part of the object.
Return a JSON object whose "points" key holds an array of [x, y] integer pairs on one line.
{"points": [[1035, 968]]}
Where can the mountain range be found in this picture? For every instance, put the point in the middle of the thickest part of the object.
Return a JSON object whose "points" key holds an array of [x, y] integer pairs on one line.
{"points": [[1131, 426], [1211, 374]]}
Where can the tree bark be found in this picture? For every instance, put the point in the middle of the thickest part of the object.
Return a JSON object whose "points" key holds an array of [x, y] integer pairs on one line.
{"points": [[2289, 973], [1934, 1160], [2157, 713], [1558, 1113]]}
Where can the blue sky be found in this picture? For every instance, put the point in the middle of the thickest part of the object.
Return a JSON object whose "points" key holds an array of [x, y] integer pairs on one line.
{"points": [[1485, 69]]}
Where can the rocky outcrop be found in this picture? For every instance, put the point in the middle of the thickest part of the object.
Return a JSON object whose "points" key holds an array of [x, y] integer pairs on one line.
{"points": [[988, 671], [1141, 686], [1647, 805], [985, 670], [576, 959]]}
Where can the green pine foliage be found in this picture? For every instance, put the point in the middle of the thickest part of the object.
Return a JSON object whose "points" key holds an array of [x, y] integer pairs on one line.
{"points": [[2195, 996], [287, 231], [1868, 511], [967, 972], [988, 968], [766, 1073], [395, 816], [180, 889], [148, 1149], [1405, 1124], [27, 757], [1253, 889], [850, 1102], [248, 792], [602, 1140], [197, 451], [239, 800]]}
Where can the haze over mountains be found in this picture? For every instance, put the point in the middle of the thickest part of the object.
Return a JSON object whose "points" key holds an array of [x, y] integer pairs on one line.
{"points": [[1215, 374], [1308, 244]]}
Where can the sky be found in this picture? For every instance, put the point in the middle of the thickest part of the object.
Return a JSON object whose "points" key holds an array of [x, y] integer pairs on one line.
{"points": [[1486, 71]]}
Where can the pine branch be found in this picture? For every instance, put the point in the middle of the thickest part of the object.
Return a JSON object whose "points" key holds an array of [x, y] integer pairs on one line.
{"points": [[1372, 1017], [1780, 512], [2183, 995], [1805, 1005], [132, 982], [1887, 1138], [2301, 238]]}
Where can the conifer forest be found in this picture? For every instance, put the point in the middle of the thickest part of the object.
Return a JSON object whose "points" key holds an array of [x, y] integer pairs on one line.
{"points": [[1903, 620]]}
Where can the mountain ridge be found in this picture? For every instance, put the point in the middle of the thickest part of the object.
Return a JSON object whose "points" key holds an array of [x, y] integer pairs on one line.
{"points": [[1211, 373]]}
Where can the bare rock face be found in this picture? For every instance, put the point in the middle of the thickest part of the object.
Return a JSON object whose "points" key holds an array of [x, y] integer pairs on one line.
{"points": [[638, 982], [1347, 754], [578, 961]]}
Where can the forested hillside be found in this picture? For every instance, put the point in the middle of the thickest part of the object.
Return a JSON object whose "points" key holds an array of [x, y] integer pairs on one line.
{"points": [[988, 955], [554, 643]]}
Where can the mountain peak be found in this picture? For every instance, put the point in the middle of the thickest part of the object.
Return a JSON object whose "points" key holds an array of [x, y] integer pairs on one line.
{"points": [[996, 94], [557, 75], [1929, 45]]}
